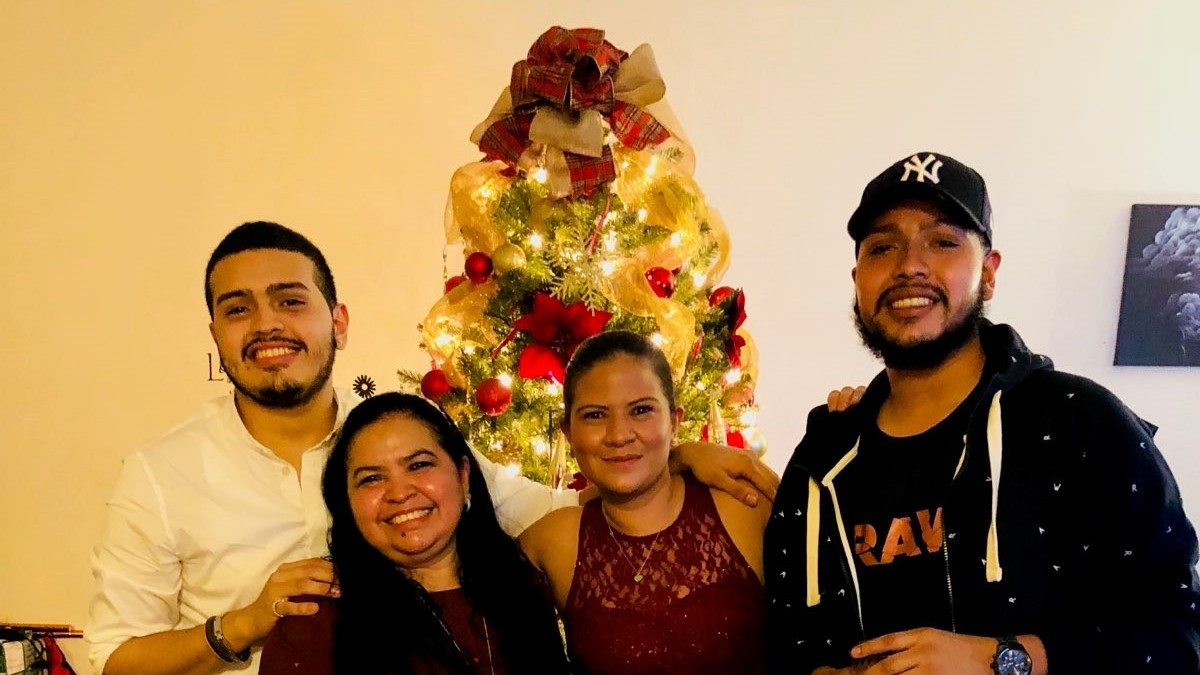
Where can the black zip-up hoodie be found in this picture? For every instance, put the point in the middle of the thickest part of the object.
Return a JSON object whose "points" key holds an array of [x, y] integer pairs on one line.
{"points": [[1063, 521]]}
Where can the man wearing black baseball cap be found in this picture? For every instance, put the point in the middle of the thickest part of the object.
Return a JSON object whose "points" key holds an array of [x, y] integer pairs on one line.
{"points": [[979, 512]]}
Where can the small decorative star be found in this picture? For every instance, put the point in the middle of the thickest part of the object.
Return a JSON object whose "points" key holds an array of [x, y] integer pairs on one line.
{"points": [[364, 386]]}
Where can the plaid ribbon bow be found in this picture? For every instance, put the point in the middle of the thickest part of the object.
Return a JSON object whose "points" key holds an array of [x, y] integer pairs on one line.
{"points": [[567, 76]]}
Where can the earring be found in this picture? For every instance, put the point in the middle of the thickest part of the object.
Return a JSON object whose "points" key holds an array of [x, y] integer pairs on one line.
{"points": [[467, 503]]}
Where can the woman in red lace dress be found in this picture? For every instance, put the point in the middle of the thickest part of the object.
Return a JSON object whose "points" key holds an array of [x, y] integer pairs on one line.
{"points": [[660, 574]]}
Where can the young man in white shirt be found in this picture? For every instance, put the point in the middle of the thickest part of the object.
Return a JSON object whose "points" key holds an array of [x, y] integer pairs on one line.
{"points": [[214, 528]]}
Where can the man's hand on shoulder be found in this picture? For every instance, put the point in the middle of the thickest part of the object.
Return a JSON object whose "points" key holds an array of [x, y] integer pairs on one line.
{"points": [[729, 470], [842, 399]]}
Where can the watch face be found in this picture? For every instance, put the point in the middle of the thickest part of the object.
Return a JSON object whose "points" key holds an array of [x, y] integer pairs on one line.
{"points": [[1013, 662]]}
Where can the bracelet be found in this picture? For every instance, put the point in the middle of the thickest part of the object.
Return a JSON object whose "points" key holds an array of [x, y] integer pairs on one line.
{"points": [[219, 645]]}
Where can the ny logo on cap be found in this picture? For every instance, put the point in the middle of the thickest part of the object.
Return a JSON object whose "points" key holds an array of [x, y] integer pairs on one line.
{"points": [[922, 168]]}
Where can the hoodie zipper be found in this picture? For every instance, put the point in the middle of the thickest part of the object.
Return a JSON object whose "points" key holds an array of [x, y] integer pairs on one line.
{"points": [[862, 628], [962, 462], [949, 584]]}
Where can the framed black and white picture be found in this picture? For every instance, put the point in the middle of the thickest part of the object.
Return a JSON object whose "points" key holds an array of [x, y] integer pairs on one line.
{"points": [[1160, 302]]}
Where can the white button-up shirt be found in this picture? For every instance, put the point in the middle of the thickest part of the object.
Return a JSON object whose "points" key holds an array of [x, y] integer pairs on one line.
{"points": [[200, 518]]}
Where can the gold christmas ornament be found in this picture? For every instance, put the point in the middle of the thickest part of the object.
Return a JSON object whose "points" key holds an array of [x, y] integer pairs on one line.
{"points": [[756, 441], [508, 257], [718, 432], [558, 461]]}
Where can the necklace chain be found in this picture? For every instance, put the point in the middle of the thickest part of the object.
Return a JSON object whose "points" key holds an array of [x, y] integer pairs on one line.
{"points": [[637, 570], [487, 638]]}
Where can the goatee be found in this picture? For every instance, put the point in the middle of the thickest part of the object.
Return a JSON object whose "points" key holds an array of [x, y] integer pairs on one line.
{"points": [[923, 354], [285, 395]]}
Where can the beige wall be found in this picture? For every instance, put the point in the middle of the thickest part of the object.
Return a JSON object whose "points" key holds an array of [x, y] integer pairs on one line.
{"points": [[134, 134]]}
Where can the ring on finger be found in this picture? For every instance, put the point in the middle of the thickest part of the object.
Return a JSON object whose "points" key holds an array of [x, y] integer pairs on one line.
{"points": [[275, 607]]}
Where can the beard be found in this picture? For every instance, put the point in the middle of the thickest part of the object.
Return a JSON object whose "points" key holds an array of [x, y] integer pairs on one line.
{"points": [[283, 394], [923, 354]]}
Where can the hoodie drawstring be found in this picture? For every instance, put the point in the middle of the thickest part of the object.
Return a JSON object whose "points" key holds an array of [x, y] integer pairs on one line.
{"points": [[814, 531], [995, 447]]}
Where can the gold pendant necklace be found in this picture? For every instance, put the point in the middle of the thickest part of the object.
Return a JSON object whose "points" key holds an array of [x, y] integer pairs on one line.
{"points": [[637, 571]]}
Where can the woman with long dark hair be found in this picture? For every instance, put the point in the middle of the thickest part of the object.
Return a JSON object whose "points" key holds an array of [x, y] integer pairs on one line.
{"points": [[430, 584]]}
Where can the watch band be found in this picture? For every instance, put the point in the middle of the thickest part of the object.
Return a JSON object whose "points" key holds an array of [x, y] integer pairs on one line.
{"points": [[219, 645], [1004, 644]]}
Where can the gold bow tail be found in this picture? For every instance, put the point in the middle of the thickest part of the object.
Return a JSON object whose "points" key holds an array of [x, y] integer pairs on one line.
{"points": [[475, 190], [452, 322], [626, 287], [569, 102]]}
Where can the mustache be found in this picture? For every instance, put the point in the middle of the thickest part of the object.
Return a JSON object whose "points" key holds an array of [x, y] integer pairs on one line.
{"points": [[250, 346], [886, 297]]}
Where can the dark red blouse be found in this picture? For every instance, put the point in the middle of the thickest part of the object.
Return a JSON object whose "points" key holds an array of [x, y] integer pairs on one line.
{"points": [[303, 645], [698, 609]]}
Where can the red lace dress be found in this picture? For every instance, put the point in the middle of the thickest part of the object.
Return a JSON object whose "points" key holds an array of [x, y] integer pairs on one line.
{"points": [[699, 607]]}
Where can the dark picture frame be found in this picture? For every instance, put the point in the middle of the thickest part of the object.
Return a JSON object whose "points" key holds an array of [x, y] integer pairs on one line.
{"points": [[1159, 323]]}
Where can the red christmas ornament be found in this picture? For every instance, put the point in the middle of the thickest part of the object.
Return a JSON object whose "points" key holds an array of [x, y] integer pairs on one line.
{"points": [[492, 396], [453, 282], [435, 385], [734, 304], [718, 295], [478, 267], [662, 281], [735, 439]]}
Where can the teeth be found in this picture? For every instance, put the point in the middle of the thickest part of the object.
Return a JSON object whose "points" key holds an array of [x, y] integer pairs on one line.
{"points": [[273, 352], [411, 515], [912, 302]]}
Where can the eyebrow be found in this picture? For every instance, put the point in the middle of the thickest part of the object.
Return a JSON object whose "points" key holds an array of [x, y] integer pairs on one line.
{"points": [[286, 286], [229, 295], [599, 406], [407, 458], [271, 290]]}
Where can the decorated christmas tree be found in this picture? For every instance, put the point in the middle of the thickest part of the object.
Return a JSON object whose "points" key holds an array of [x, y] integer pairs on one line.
{"points": [[583, 217]]}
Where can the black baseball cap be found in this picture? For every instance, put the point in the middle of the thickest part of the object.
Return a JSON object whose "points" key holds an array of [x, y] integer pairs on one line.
{"points": [[927, 176]]}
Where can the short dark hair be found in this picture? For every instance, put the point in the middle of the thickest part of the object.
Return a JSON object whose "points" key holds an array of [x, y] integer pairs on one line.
{"points": [[264, 235], [604, 346]]}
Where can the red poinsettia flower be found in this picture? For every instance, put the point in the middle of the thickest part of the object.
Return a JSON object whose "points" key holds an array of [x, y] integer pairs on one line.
{"points": [[733, 301], [556, 330]]}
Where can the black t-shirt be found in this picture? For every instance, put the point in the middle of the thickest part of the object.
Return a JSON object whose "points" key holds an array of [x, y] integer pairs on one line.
{"points": [[891, 498]]}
